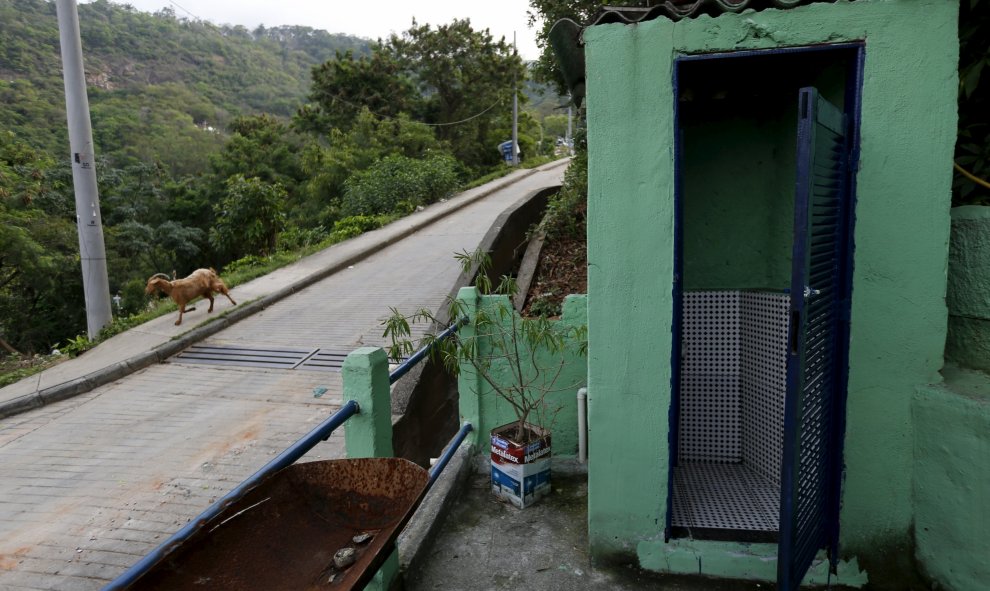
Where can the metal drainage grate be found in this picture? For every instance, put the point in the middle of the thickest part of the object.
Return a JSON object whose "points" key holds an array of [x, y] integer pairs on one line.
{"points": [[323, 360], [272, 358]]}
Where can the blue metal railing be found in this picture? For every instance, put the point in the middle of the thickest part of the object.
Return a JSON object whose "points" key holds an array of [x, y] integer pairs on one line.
{"points": [[418, 356], [284, 459], [449, 453]]}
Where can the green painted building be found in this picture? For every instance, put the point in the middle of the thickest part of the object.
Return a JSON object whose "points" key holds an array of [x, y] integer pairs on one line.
{"points": [[768, 231]]}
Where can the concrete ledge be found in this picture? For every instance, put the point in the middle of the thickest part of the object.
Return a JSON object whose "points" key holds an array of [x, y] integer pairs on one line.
{"points": [[416, 539], [951, 479], [165, 350]]}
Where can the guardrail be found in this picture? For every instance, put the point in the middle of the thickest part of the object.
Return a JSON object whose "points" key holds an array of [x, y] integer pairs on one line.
{"points": [[418, 356], [298, 449], [284, 459], [444, 459]]}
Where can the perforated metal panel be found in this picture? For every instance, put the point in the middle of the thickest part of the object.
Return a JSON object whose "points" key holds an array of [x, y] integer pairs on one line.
{"points": [[724, 496], [732, 390], [710, 420], [763, 332]]}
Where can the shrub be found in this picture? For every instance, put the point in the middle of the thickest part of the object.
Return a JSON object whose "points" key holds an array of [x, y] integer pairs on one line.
{"points": [[356, 225], [295, 238], [397, 184], [565, 215], [249, 217]]}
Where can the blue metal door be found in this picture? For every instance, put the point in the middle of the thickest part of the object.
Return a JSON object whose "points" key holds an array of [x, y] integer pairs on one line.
{"points": [[808, 481]]}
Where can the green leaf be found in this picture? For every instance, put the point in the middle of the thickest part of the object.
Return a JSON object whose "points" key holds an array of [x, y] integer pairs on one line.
{"points": [[971, 78]]}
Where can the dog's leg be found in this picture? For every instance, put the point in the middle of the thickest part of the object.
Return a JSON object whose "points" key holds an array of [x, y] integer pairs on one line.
{"points": [[223, 290]]}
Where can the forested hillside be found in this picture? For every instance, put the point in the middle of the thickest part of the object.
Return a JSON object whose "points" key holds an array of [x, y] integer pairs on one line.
{"points": [[223, 147], [161, 88]]}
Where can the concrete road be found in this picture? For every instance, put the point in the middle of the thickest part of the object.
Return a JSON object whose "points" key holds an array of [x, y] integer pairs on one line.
{"points": [[92, 483]]}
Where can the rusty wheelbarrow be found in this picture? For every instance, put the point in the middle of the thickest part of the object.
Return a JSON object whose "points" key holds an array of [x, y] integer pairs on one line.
{"points": [[325, 525]]}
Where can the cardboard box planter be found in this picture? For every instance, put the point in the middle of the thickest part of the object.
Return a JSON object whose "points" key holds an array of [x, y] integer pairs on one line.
{"points": [[520, 471]]}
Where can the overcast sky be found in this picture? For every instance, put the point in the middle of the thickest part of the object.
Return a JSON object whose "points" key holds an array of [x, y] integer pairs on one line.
{"points": [[371, 19]]}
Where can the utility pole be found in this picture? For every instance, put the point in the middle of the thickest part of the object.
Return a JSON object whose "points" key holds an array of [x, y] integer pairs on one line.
{"points": [[92, 251], [515, 110]]}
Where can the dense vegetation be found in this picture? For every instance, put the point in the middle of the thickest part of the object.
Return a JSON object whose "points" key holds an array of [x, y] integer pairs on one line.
{"points": [[160, 87], [973, 144], [223, 147]]}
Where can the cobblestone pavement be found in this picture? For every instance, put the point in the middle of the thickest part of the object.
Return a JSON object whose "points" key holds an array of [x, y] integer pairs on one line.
{"points": [[92, 483]]}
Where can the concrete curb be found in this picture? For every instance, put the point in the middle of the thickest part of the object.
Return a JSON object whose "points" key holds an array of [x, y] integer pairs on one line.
{"points": [[415, 540], [160, 353]]}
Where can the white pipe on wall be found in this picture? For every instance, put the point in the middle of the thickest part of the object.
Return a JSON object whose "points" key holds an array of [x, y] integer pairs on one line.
{"points": [[582, 414]]}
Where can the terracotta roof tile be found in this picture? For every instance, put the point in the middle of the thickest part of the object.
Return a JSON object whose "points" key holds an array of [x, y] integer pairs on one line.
{"points": [[679, 9]]}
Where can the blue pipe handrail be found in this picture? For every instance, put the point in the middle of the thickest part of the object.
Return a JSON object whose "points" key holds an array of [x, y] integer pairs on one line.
{"points": [[284, 459], [418, 356], [449, 453]]}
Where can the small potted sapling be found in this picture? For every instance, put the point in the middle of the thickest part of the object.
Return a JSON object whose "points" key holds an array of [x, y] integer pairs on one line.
{"points": [[519, 360]]}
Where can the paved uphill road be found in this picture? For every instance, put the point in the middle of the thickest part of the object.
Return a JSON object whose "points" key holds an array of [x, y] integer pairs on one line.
{"points": [[90, 484]]}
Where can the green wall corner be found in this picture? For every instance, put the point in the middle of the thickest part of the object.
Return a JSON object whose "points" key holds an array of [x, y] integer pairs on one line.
{"points": [[968, 292], [485, 410], [952, 480]]}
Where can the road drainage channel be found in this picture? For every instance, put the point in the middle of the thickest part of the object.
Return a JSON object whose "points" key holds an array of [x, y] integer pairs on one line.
{"points": [[264, 357]]}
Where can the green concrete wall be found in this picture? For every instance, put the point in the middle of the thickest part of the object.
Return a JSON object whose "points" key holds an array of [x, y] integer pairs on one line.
{"points": [[738, 224], [486, 410], [968, 293], [901, 236], [952, 480], [741, 561]]}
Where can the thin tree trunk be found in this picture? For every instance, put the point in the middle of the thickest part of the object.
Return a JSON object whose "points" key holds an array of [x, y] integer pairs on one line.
{"points": [[7, 347]]}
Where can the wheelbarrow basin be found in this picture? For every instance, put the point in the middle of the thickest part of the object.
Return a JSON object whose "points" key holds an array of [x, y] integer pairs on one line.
{"points": [[283, 534]]}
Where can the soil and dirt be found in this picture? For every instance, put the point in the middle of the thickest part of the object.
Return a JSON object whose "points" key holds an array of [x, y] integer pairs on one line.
{"points": [[562, 271]]}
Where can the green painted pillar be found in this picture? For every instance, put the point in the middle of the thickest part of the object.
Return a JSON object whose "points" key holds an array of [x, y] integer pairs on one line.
{"points": [[469, 386], [368, 434]]}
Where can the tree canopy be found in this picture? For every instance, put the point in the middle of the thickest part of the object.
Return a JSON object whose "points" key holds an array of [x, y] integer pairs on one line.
{"points": [[220, 145]]}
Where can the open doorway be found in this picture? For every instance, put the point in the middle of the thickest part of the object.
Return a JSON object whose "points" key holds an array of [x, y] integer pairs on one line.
{"points": [[765, 201]]}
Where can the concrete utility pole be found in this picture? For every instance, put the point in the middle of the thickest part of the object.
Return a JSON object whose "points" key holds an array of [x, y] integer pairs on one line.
{"points": [[91, 248], [515, 110]]}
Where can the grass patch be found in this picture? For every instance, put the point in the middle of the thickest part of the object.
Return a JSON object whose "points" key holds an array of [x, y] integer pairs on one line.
{"points": [[14, 368]]}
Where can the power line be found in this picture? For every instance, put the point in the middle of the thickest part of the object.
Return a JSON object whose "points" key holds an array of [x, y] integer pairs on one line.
{"points": [[183, 9], [380, 116], [498, 102]]}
